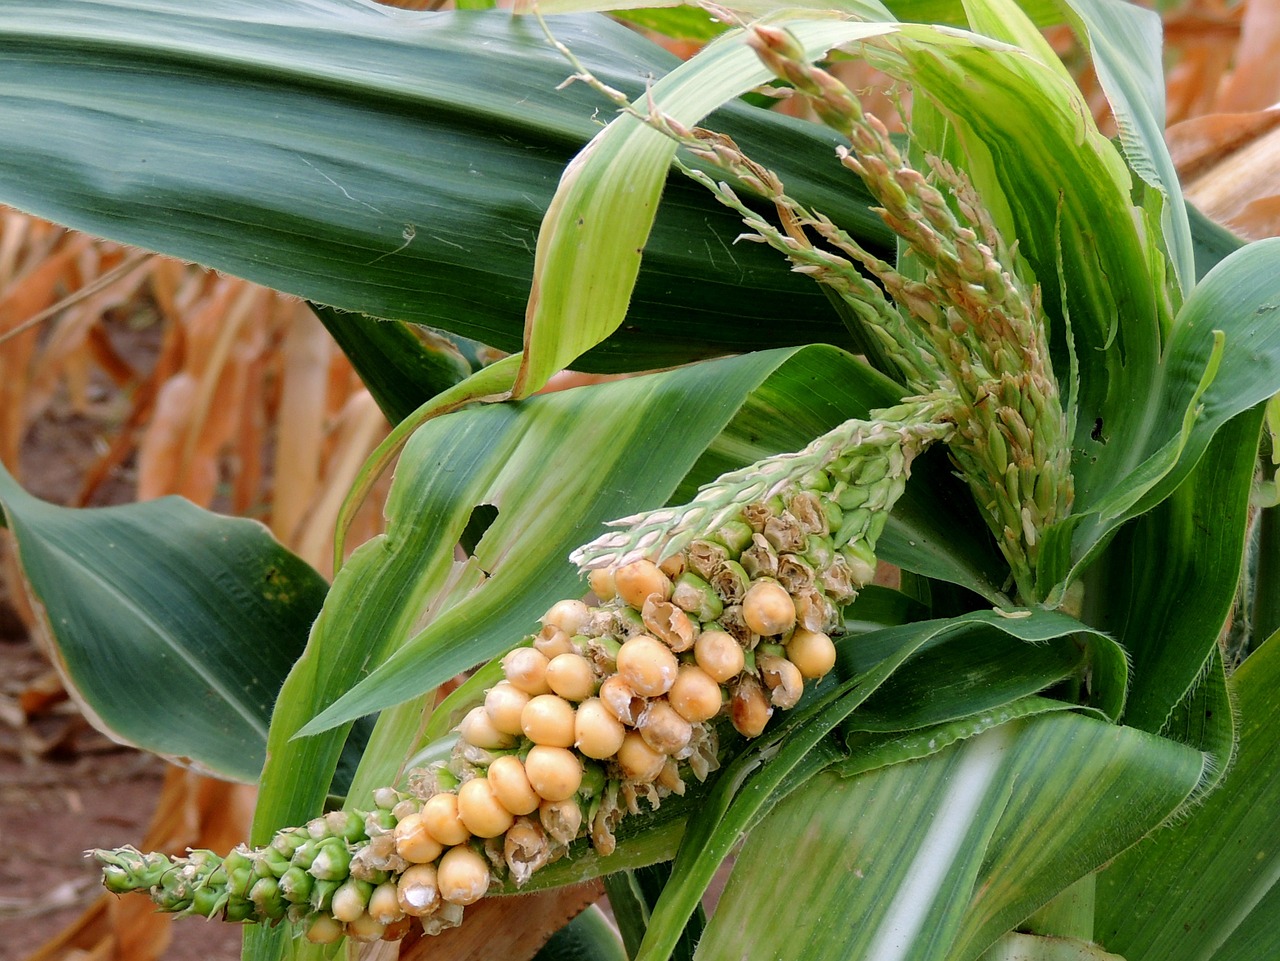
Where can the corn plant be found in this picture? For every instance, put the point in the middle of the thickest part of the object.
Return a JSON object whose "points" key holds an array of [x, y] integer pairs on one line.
{"points": [[928, 574]]}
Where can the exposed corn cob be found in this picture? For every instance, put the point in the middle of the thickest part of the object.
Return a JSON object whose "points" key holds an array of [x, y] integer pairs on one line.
{"points": [[606, 706]]}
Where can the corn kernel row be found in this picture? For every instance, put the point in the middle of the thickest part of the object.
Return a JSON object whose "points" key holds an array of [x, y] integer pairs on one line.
{"points": [[606, 706]]}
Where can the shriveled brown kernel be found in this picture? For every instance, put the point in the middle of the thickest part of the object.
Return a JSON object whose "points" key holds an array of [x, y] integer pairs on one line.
{"points": [[695, 695], [719, 654], [554, 772], [526, 669], [504, 703], [510, 784], [794, 574], [784, 533], [440, 817], [783, 679], [669, 624], [561, 819], [759, 560], [749, 707], [548, 719], [812, 652], [414, 843], [814, 612], [673, 566], [571, 676], [669, 777], [621, 700], [599, 732], [637, 581], [418, 890], [768, 608], [551, 642], [806, 507], [638, 761], [525, 849], [705, 557], [732, 621], [730, 583], [663, 729], [647, 665], [463, 876], [481, 810]]}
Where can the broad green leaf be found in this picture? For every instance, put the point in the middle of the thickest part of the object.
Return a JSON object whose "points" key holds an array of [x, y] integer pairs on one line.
{"points": [[1213, 243], [386, 162], [976, 644], [632, 895], [596, 228], [1223, 357], [1165, 585], [785, 757], [1125, 44], [1206, 888], [1044, 12], [174, 627], [1206, 720], [588, 937], [519, 452], [401, 368], [939, 856]]}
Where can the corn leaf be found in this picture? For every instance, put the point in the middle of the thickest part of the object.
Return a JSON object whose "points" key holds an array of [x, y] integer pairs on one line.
{"points": [[596, 228], [1166, 584], [385, 162], [400, 370], [941, 855], [588, 937], [777, 763], [1125, 43], [1208, 890], [1044, 12], [517, 455], [173, 627], [1223, 357]]}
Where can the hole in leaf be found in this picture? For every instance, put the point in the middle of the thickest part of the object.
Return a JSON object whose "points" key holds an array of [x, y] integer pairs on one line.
{"points": [[482, 517]]}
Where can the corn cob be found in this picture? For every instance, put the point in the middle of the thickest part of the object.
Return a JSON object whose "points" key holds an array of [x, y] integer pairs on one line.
{"points": [[709, 615]]}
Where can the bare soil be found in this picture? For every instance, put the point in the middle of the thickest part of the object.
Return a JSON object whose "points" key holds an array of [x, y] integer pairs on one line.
{"points": [[64, 787]]}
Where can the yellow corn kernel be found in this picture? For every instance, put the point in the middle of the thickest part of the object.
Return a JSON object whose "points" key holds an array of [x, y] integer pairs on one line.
{"points": [[481, 810], [554, 772]]}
